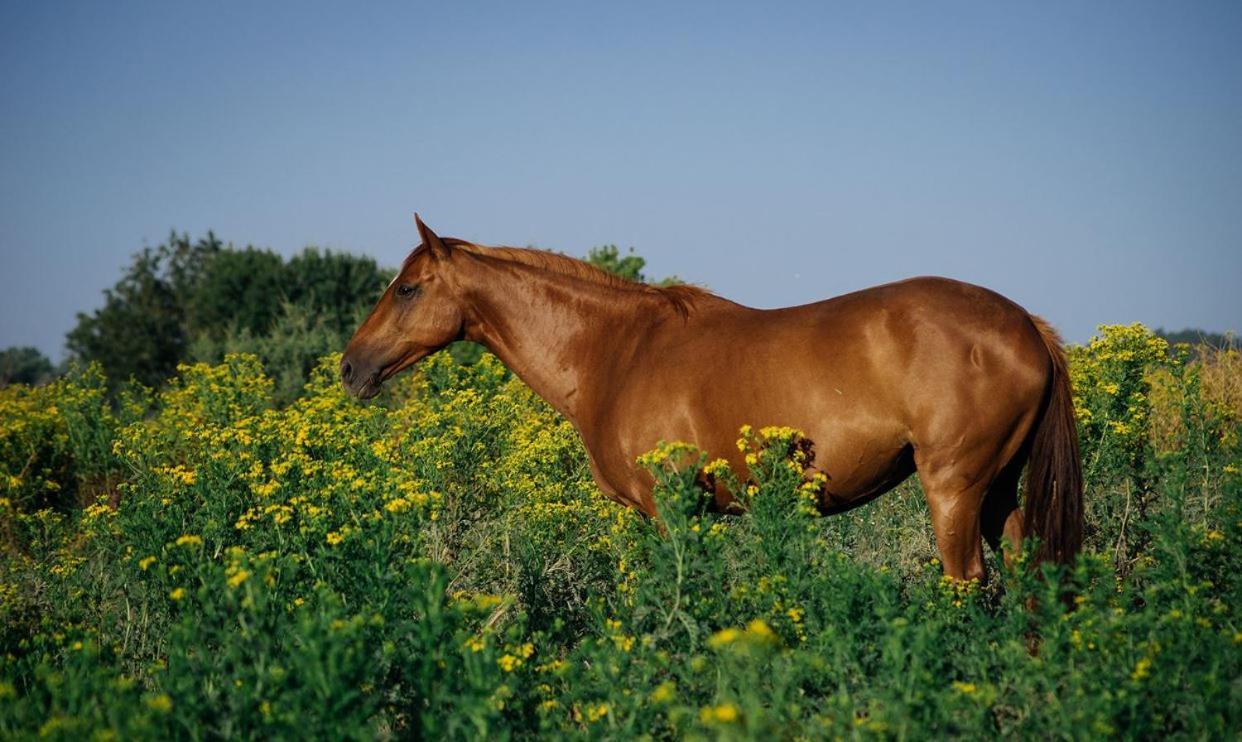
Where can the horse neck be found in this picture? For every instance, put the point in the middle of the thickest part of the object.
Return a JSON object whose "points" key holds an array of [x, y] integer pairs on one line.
{"points": [[557, 333]]}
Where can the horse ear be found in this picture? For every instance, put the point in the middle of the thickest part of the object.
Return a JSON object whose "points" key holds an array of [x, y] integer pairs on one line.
{"points": [[431, 239]]}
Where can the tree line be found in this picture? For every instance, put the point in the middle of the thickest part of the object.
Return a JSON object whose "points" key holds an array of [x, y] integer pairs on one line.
{"points": [[196, 300]]}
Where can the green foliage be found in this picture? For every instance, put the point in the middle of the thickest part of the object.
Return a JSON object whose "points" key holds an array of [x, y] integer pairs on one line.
{"points": [[338, 288], [199, 300], [291, 347], [628, 266], [609, 257], [139, 331], [24, 365], [234, 290], [1196, 338], [442, 566], [1112, 390], [56, 441]]}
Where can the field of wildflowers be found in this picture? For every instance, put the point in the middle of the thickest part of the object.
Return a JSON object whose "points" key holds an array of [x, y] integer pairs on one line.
{"points": [[204, 563]]}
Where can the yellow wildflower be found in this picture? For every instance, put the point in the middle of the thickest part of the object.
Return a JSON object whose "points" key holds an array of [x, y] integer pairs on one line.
{"points": [[759, 629], [725, 713], [595, 713], [664, 692]]}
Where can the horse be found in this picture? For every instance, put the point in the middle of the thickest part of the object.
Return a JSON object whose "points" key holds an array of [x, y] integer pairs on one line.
{"points": [[927, 375]]}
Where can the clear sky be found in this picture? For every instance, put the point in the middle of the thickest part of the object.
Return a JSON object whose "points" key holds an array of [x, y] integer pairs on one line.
{"points": [[1083, 158]]}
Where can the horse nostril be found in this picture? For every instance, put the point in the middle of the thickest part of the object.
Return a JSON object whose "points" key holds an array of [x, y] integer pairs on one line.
{"points": [[347, 371]]}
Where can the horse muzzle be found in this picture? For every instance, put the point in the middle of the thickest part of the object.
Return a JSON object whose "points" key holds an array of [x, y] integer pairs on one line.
{"points": [[360, 382]]}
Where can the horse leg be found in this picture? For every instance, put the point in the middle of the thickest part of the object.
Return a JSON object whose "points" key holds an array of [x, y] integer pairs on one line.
{"points": [[623, 495], [955, 500], [1001, 518]]}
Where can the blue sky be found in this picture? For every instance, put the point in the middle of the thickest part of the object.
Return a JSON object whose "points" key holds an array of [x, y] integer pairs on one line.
{"points": [[1082, 158]]}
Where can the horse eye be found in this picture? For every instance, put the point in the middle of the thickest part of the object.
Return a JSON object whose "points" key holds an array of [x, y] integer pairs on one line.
{"points": [[405, 290]]}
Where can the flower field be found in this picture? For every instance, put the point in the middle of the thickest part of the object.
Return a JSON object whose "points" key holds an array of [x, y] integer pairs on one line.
{"points": [[203, 563]]}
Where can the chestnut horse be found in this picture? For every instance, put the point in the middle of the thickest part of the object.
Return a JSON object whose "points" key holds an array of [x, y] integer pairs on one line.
{"points": [[927, 374]]}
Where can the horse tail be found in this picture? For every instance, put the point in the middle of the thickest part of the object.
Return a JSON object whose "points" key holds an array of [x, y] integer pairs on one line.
{"points": [[1053, 511]]}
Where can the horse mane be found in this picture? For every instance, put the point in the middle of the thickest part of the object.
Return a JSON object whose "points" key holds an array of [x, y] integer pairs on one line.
{"points": [[682, 297]]}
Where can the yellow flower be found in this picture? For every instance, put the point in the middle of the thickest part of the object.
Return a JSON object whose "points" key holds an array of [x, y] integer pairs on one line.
{"points": [[759, 629], [664, 692], [965, 688], [1141, 669], [146, 562], [189, 539], [238, 577], [509, 663], [725, 713], [335, 538], [743, 437], [161, 703], [595, 713], [177, 594]]}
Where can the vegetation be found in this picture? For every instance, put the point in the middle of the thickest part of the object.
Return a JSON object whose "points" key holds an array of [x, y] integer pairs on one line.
{"points": [[186, 301], [24, 365], [205, 562], [629, 266], [1196, 338], [189, 300]]}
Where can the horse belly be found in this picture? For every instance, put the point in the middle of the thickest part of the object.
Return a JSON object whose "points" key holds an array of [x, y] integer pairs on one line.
{"points": [[861, 447], [859, 465]]}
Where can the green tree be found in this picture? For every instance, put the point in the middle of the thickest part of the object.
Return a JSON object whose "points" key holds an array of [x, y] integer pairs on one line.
{"points": [[25, 365], [629, 266], [234, 289], [246, 290], [138, 332], [201, 298], [334, 286]]}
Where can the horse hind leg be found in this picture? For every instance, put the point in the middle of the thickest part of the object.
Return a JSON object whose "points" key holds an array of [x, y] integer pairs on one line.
{"points": [[955, 502], [1001, 517]]}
